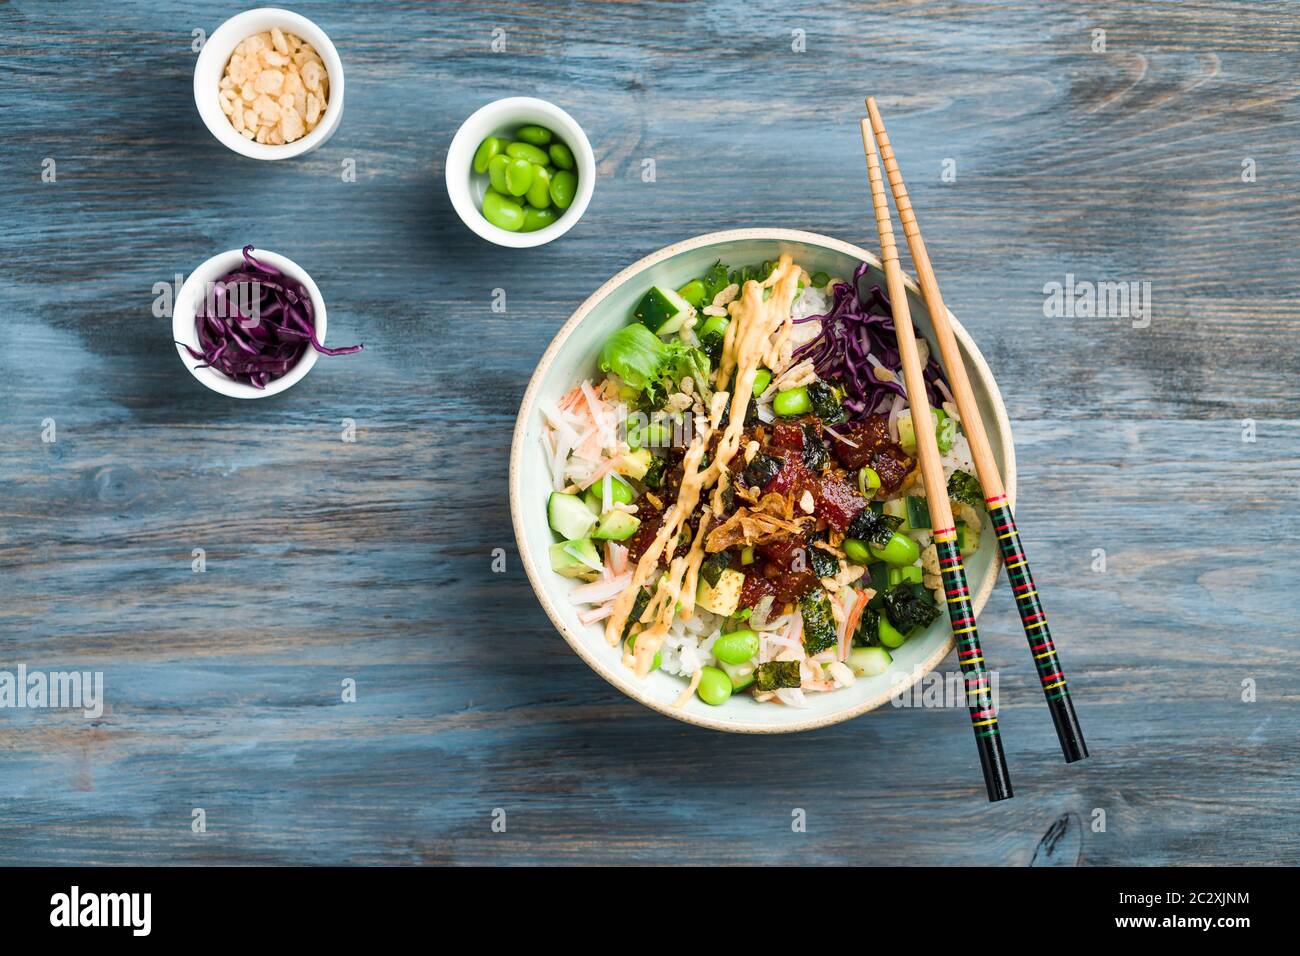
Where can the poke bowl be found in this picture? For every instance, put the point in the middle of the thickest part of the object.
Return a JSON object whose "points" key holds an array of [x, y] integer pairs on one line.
{"points": [[778, 567]]}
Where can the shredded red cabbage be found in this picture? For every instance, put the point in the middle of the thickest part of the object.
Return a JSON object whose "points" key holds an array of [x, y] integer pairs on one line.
{"points": [[256, 324], [855, 327]]}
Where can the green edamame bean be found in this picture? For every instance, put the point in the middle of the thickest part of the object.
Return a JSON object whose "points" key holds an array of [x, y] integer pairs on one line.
{"points": [[483, 155], [620, 490], [736, 647], [539, 193], [497, 172], [526, 151], [820, 280], [856, 551], [653, 435], [716, 325], [762, 379], [564, 184], [715, 686], [535, 218], [537, 135], [502, 211], [890, 636], [900, 550], [795, 401], [561, 156], [693, 292], [659, 655], [519, 176]]}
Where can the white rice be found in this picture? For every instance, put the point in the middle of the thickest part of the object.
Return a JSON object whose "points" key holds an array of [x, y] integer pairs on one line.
{"points": [[957, 458], [810, 302], [688, 645]]}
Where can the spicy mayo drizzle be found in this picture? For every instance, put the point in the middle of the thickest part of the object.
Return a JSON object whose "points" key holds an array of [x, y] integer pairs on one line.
{"points": [[758, 331]]}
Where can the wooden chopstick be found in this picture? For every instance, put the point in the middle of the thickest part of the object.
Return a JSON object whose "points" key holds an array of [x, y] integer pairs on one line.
{"points": [[983, 716], [1051, 674]]}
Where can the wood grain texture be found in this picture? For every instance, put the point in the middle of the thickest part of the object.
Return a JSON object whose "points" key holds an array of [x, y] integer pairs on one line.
{"points": [[372, 560]]}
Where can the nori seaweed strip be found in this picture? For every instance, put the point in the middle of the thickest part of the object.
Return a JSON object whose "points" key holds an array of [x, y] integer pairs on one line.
{"points": [[711, 344], [815, 455], [965, 487], [713, 566], [825, 403], [751, 413], [654, 475], [823, 563], [818, 621], [762, 470], [873, 528], [638, 606], [868, 631], [776, 674], [909, 605]]}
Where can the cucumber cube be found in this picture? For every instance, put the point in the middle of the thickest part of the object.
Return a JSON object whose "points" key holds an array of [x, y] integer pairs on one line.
{"points": [[869, 661], [569, 515], [742, 675], [918, 512], [662, 310]]}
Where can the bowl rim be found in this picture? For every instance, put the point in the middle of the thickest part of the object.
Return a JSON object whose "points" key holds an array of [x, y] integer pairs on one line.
{"points": [[183, 330], [462, 148], [625, 682], [206, 95]]}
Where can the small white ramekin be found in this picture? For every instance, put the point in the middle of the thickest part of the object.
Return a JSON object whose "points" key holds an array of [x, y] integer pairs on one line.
{"points": [[501, 118], [212, 62], [191, 297]]}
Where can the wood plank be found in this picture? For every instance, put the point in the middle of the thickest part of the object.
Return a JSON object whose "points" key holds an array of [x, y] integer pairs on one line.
{"points": [[371, 560]]}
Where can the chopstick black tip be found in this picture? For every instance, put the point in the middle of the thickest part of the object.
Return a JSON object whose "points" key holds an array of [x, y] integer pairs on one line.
{"points": [[994, 764], [1068, 730]]}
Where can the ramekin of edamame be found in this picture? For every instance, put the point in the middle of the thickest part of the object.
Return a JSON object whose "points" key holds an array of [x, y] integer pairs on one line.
{"points": [[520, 172]]}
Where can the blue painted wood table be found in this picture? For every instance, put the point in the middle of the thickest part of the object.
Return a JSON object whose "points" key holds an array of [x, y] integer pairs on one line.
{"points": [[1044, 143]]}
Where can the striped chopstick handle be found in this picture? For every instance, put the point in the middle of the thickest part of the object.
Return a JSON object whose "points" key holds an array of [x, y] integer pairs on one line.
{"points": [[979, 697], [1034, 619]]}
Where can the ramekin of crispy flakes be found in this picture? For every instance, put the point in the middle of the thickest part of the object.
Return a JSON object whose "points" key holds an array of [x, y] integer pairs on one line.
{"points": [[275, 88]]}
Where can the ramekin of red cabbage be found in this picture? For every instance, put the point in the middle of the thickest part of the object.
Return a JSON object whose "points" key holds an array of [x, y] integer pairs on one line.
{"points": [[249, 323]]}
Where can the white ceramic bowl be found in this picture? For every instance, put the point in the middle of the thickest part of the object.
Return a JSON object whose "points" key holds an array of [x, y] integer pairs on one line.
{"points": [[212, 62], [191, 297], [501, 118], [572, 356]]}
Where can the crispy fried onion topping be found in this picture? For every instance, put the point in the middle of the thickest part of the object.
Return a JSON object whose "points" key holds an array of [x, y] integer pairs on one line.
{"points": [[772, 517]]}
